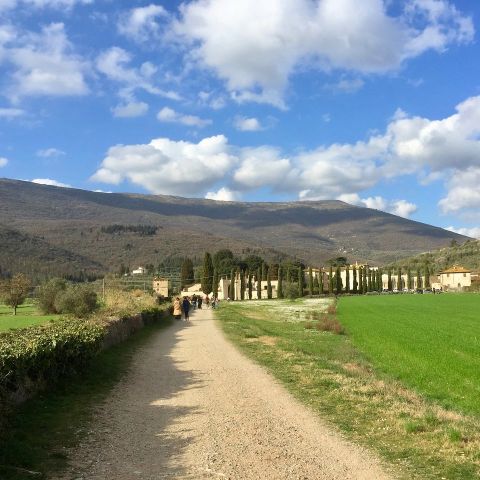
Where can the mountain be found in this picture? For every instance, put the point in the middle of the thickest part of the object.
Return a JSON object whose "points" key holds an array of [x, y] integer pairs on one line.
{"points": [[107, 229]]}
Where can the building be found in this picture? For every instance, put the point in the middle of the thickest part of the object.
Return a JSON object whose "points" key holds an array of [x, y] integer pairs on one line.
{"points": [[160, 286], [138, 271], [456, 278]]}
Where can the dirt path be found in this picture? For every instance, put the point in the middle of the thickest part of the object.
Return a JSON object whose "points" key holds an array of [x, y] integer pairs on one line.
{"points": [[192, 407]]}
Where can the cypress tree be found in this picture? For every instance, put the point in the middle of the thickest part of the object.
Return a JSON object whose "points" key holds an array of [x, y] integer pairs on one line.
{"points": [[232, 285], [379, 280], [316, 286], [355, 283], [360, 280], [310, 281], [338, 281], [250, 286], [259, 284], [320, 282], [264, 271], [419, 278], [427, 276], [289, 275], [364, 281], [347, 279], [269, 282], [207, 278], [389, 285], [399, 279], [300, 282], [242, 285], [215, 283], [187, 276], [280, 282], [370, 281], [330, 280], [409, 279]]}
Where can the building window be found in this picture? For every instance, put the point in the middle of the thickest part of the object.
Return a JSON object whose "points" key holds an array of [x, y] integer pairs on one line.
{"points": [[464, 275]]}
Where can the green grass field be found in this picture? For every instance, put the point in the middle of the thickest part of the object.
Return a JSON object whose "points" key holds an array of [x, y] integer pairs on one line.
{"points": [[429, 342], [27, 315], [403, 380]]}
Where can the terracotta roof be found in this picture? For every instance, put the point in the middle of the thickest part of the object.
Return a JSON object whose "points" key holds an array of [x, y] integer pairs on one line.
{"points": [[456, 269]]}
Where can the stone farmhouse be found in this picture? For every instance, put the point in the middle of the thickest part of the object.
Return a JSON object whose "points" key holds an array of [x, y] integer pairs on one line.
{"points": [[160, 286], [456, 278]]}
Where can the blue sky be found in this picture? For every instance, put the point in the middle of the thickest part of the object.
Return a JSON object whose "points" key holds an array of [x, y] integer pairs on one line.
{"points": [[377, 105]]}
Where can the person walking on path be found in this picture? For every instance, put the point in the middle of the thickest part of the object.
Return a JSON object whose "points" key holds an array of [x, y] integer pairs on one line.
{"points": [[177, 309], [186, 308], [207, 301], [199, 302]]}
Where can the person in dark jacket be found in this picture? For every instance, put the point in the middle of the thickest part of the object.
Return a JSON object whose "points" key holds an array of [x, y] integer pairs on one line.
{"points": [[199, 302], [186, 309]]}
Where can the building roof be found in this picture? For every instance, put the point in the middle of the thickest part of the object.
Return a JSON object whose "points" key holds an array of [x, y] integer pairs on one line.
{"points": [[456, 269]]}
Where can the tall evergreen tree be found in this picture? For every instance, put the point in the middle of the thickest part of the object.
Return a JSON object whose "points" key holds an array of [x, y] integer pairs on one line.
{"points": [[347, 278], [269, 282], [355, 283], [330, 280], [389, 284], [207, 278], [427, 276], [215, 283], [232, 285], [300, 282], [288, 276], [264, 271], [419, 278], [316, 285], [338, 281], [320, 281], [370, 280], [242, 285], [364, 281], [250, 286], [399, 279], [280, 282], [187, 276], [409, 279], [310, 281], [360, 280], [259, 284]]}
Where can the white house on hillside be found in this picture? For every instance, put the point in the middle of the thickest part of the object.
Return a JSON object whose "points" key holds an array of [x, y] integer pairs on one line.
{"points": [[456, 278], [138, 271]]}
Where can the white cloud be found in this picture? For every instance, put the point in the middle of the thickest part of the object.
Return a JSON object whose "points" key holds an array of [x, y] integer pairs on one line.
{"points": [[256, 46], [114, 63], [130, 109], [10, 113], [473, 232], [168, 115], [49, 181], [140, 23], [401, 208], [245, 124], [169, 167], [223, 195], [346, 85], [46, 65], [50, 152], [3, 161], [68, 4], [463, 191]]}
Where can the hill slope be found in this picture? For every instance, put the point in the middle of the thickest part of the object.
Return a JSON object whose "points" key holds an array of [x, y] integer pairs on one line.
{"points": [[75, 220]]}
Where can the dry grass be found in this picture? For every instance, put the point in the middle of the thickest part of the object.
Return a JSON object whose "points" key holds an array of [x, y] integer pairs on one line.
{"points": [[122, 303]]}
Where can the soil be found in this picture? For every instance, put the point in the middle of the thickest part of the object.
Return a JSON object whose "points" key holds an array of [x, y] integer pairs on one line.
{"points": [[193, 407]]}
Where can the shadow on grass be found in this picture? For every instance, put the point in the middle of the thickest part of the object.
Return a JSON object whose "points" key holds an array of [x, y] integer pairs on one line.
{"points": [[44, 432]]}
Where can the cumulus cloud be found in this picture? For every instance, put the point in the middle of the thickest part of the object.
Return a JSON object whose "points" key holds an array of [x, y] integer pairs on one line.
{"points": [[169, 115], [223, 195], [10, 113], [49, 181], [473, 232], [130, 109], [50, 152], [140, 23], [169, 167], [401, 208], [11, 4], [245, 124], [3, 161], [255, 46], [45, 64], [463, 191]]}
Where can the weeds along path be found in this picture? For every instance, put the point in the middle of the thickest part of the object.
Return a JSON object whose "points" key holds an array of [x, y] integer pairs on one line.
{"points": [[193, 407]]}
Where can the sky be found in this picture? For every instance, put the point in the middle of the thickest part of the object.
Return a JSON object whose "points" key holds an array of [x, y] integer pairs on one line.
{"points": [[376, 103]]}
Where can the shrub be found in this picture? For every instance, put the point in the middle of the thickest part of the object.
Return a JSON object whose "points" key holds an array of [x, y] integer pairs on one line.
{"points": [[330, 324], [79, 300], [47, 295], [290, 290]]}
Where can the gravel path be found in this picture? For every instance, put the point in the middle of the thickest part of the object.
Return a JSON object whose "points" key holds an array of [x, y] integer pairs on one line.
{"points": [[193, 407]]}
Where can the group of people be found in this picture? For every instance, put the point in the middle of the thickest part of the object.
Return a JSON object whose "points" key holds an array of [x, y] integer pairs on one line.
{"points": [[183, 306]]}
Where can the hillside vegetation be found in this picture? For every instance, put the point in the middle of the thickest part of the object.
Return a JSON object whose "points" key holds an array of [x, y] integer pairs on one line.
{"points": [[102, 230]]}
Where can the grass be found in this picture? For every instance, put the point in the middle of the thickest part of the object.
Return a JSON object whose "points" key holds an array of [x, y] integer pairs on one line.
{"points": [[27, 315], [334, 376], [429, 342], [41, 430]]}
